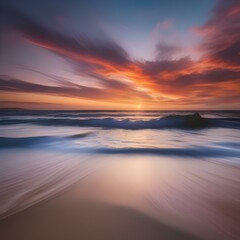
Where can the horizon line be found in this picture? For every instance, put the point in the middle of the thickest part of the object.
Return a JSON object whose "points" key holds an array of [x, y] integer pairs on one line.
{"points": [[118, 110]]}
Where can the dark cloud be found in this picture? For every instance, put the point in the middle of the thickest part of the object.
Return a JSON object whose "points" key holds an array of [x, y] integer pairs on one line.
{"points": [[222, 33], [212, 77], [16, 85], [77, 48], [230, 54], [153, 68], [69, 89], [166, 51]]}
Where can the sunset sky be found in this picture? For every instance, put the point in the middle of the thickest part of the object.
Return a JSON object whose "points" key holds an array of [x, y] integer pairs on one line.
{"points": [[128, 54]]}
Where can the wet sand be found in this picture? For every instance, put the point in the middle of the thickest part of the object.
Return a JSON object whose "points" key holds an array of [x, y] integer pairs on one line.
{"points": [[137, 198], [84, 211], [62, 219]]}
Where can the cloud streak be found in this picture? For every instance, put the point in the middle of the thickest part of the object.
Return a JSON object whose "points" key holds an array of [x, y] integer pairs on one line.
{"points": [[68, 89], [222, 33], [166, 79]]}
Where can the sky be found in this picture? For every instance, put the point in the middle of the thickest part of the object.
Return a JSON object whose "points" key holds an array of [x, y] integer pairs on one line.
{"points": [[120, 55]]}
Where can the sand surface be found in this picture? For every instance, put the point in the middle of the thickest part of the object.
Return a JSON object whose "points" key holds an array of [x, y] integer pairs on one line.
{"points": [[117, 202]]}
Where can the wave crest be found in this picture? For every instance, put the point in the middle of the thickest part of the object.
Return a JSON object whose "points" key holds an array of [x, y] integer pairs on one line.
{"points": [[191, 121]]}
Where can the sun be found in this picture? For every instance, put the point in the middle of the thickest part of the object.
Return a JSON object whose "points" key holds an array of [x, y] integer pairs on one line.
{"points": [[139, 106]]}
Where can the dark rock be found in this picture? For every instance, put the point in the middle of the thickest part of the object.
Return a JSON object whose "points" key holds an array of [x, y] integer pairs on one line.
{"points": [[194, 120]]}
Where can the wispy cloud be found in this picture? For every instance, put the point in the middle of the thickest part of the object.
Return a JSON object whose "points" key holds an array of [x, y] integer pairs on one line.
{"points": [[221, 33], [214, 78]]}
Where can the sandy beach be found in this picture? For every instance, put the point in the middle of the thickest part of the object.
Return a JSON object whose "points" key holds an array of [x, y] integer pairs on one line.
{"points": [[126, 199]]}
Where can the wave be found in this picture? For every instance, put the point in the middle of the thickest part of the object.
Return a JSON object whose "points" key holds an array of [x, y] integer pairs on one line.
{"points": [[191, 121], [9, 142], [196, 151], [219, 149]]}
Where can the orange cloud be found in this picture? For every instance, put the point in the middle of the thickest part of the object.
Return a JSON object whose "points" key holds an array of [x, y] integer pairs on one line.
{"points": [[212, 79]]}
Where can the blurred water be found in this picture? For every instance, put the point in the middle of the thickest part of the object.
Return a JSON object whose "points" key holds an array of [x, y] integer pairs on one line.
{"points": [[43, 152], [146, 130]]}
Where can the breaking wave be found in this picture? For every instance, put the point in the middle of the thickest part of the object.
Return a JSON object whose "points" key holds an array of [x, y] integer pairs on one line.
{"points": [[9, 142], [192, 121], [173, 121], [195, 151], [220, 149]]}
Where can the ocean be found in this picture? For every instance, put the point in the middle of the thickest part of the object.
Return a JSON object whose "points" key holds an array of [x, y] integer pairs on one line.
{"points": [[179, 167]]}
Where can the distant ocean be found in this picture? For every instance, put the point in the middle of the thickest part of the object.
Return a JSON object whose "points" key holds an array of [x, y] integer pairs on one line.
{"points": [[43, 152], [154, 132]]}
